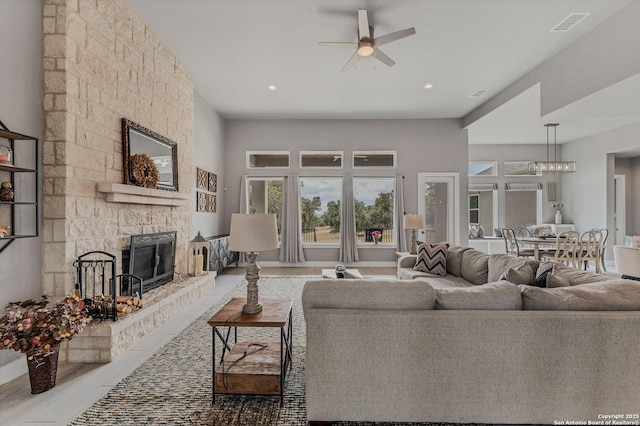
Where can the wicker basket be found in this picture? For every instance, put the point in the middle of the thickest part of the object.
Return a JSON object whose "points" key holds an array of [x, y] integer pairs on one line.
{"points": [[43, 370]]}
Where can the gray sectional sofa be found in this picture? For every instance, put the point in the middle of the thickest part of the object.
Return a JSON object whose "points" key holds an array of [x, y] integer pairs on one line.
{"points": [[467, 347]]}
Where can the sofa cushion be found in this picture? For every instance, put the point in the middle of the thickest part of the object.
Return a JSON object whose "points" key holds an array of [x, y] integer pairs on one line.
{"points": [[522, 274], [344, 293], [493, 296], [474, 266], [574, 276], [410, 274], [432, 258], [447, 281], [555, 278], [499, 263], [611, 295], [454, 259]]}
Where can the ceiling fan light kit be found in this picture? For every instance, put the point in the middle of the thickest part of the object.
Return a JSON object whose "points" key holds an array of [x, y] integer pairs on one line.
{"points": [[367, 44]]}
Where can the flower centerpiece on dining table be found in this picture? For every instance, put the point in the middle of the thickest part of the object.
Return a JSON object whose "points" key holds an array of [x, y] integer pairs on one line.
{"points": [[33, 328]]}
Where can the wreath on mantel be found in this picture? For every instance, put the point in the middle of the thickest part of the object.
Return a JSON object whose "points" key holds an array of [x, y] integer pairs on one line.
{"points": [[144, 171]]}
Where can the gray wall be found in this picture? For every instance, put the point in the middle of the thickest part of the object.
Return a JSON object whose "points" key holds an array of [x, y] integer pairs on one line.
{"points": [[630, 168], [423, 146], [208, 148], [21, 111], [589, 192]]}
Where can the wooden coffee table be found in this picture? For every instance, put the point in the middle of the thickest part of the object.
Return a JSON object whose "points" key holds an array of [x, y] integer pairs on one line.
{"points": [[252, 367]]}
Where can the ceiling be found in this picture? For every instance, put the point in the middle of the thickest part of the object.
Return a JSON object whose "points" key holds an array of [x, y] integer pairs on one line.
{"points": [[235, 49]]}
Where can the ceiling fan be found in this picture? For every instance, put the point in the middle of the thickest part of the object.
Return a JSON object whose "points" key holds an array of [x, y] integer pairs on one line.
{"points": [[367, 45]]}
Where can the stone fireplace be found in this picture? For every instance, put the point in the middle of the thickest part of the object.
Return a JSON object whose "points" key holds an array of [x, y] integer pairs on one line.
{"points": [[101, 64]]}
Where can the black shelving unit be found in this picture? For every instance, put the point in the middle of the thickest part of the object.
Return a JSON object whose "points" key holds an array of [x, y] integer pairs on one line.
{"points": [[8, 173]]}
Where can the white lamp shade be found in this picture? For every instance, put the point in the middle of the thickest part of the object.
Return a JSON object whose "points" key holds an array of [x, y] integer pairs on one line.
{"points": [[253, 232], [413, 221]]}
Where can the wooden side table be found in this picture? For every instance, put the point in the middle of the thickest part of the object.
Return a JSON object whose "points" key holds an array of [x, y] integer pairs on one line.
{"points": [[252, 367]]}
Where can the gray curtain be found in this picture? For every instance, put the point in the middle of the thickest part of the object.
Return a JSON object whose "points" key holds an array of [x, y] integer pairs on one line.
{"points": [[242, 208], [348, 244], [291, 240], [402, 233]]}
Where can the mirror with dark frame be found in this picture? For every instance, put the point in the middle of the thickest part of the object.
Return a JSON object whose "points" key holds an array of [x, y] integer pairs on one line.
{"points": [[137, 139]]}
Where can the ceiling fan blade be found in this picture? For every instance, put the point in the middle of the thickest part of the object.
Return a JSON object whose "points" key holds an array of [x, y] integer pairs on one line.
{"points": [[379, 41], [377, 53], [363, 25], [338, 44], [351, 61]]}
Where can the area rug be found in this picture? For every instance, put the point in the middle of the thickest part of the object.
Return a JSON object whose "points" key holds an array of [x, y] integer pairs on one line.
{"points": [[173, 387]]}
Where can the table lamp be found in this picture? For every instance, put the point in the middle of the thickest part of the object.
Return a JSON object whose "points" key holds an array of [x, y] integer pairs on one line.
{"points": [[253, 233], [413, 222]]}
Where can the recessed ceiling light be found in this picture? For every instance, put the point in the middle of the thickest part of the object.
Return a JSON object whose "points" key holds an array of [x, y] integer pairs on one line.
{"points": [[428, 86], [272, 87]]}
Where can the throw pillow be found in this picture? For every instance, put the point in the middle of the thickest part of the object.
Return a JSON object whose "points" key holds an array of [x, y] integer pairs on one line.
{"points": [[432, 258], [522, 274], [491, 296], [556, 279], [541, 280]]}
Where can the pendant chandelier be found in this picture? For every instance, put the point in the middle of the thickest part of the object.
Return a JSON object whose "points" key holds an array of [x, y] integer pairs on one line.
{"points": [[554, 166]]}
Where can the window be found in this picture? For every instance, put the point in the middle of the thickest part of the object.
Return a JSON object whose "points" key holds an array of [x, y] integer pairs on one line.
{"points": [[518, 168], [473, 209], [320, 209], [374, 159], [267, 160], [321, 159], [374, 203], [483, 169], [265, 196]]}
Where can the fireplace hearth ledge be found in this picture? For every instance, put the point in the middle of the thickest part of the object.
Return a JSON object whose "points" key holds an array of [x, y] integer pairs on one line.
{"points": [[121, 193], [102, 342]]}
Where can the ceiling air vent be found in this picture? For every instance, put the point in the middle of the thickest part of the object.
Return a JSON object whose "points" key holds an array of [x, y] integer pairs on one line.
{"points": [[478, 93], [569, 22]]}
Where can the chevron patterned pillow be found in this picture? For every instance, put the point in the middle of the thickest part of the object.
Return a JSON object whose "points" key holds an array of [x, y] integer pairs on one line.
{"points": [[432, 258]]}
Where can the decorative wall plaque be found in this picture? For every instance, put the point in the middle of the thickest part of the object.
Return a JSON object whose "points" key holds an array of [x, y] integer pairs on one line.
{"points": [[202, 179], [552, 194], [211, 203], [201, 201], [213, 182]]}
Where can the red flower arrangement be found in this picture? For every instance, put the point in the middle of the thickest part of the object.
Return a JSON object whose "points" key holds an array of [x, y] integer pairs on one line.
{"points": [[32, 328]]}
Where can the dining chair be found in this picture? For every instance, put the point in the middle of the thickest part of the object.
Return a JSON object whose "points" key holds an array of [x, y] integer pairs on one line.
{"points": [[511, 244], [567, 248], [522, 232], [603, 246], [590, 245]]}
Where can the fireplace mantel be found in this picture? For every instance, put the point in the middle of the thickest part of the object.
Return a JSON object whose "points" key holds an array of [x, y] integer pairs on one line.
{"points": [[121, 193]]}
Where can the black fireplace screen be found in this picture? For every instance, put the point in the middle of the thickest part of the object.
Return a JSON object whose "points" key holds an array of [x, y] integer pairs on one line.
{"points": [[150, 257]]}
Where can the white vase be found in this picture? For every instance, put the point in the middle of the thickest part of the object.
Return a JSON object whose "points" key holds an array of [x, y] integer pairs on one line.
{"points": [[558, 217]]}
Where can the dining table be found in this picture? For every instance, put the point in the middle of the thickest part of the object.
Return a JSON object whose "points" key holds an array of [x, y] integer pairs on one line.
{"points": [[537, 243]]}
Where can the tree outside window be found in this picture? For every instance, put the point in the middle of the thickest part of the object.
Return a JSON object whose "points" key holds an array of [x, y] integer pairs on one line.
{"points": [[320, 209], [374, 202]]}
